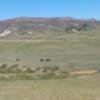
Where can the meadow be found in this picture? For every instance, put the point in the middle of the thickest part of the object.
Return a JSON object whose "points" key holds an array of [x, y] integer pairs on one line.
{"points": [[67, 51], [56, 89], [75, 50]]}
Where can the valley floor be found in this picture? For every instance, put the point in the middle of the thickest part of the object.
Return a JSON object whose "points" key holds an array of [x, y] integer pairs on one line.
{"points": [[69, 51]]}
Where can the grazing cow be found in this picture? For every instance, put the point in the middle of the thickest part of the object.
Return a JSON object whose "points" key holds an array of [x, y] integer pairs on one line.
{"points": [[48, 59], [41, 59], [17, 59], [45, 60]]}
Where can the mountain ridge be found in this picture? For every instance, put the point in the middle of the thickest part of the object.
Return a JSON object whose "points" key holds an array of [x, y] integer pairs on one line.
{"points": [[30, 26]]}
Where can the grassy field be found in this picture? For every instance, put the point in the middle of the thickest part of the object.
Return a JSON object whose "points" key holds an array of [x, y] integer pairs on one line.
{"points": [[68, 51], [77, 50], [65, 89]]}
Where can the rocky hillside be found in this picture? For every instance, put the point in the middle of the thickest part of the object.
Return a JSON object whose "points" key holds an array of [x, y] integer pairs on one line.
{"points": [[28, 27]]}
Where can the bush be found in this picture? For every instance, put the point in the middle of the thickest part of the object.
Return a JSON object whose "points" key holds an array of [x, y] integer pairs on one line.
{"points": [[55, 68], [29, 70], [38, 68], [13, 68], [64, 73], [24, 76], [3, 66], [4, 78]]}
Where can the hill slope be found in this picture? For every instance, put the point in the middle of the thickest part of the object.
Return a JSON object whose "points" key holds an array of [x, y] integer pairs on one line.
{"points": [[28, 27]]}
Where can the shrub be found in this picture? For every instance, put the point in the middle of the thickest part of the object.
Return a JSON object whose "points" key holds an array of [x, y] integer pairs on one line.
{"points": [[38, 68], [29, 70], [4, 78], [3, 66], [64, 73], [24, 76], [12, 68], [55, 68]]}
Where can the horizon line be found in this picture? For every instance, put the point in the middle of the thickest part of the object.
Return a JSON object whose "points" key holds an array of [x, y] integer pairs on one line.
{"points": [[76, 18]]}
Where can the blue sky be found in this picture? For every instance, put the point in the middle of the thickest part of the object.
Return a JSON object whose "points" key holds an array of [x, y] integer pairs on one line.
{"points": [[50, 8]]}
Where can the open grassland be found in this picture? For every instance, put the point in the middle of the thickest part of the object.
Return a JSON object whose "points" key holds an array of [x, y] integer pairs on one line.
{"points": [[49, 60], [68, 50], [75, 88]]}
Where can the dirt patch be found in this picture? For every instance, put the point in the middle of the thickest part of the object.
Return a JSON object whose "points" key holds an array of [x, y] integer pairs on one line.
{"points": [[83, 73]]}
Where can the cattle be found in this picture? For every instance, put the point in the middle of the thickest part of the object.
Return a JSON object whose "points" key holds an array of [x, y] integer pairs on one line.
{"points": [[45, 60]]}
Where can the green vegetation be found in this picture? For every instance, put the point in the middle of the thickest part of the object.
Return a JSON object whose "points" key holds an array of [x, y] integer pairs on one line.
{"points": [[14, 72], [70, 88], [67, 51], [79, 49], [38, 60]]}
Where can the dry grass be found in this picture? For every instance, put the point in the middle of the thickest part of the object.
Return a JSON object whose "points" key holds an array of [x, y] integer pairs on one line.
{"points": [[65, 89]]}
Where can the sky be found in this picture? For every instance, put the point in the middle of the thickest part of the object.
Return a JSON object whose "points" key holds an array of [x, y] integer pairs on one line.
{"points": [[83, 9]]}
